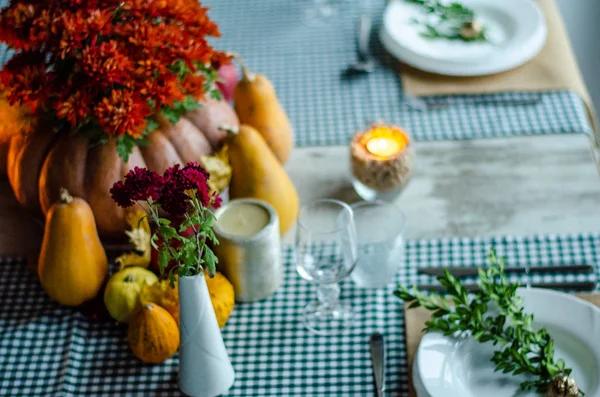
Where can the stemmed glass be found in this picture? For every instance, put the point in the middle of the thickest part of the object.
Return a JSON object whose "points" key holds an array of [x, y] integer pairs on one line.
{"points": [[326, 253], [320, 12]]}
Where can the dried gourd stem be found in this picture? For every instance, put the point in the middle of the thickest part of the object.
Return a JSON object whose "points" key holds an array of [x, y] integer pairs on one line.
{"points": [[231, 130], [65, 196], [130, 278], [247, 75]]}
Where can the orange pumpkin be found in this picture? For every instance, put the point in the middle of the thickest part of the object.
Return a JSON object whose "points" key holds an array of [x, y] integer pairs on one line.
{"points": [[153, 334], [40, 163]]}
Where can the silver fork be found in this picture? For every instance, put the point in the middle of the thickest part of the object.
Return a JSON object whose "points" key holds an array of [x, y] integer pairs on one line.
{"points": [[422, 104]]}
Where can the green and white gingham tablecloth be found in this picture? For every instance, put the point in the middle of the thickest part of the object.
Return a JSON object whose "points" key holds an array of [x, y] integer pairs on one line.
{"points": [[49, 350]]}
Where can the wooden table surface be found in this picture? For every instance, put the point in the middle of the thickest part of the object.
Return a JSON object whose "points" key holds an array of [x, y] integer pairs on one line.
{"points": [[484, 187], [518, 185]]}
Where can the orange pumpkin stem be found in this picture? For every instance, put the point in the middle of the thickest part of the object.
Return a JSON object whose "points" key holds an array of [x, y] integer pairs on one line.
{"points": [[65, 196]]}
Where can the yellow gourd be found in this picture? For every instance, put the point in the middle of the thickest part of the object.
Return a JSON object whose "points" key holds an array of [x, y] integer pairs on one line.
{"points": [[122, 293], [164, 296], [72, 265], [153, 335], [256, 173], [222, 297], [256, 104]]}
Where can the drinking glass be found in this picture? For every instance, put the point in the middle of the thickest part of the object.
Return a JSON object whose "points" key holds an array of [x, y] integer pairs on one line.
{"points": [[381, 246], [320, 12], [326, 253]]}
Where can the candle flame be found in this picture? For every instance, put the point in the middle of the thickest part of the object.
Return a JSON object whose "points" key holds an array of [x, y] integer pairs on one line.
{"points": [[385, 141], [384, 147]]}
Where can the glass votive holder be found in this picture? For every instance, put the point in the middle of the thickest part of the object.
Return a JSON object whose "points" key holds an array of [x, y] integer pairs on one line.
{"points": [[380, 229], [381, 161]]}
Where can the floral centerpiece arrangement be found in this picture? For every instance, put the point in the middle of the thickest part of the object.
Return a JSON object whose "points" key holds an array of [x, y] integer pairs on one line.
{"points": [[109, 68], [183, 193]]}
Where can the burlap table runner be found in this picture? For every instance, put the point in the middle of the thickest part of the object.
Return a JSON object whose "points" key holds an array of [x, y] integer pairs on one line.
{"points": [[415, 322], [554, 68]]}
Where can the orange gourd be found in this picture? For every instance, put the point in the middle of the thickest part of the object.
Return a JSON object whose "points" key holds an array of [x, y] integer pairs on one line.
{"points": [[72, 265], [222, 296], [153, 334]]}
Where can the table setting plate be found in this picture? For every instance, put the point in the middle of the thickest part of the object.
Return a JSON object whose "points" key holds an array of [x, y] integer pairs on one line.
{"points": [[461, 367], [516, 31]]}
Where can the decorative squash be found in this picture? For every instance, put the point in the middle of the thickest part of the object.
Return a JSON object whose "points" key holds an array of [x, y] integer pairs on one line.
{"points": [[72, 263], [256, 173], [153, 334], [222, 296], [41, 162], [163, 295], [256, 104], [122, 293]]}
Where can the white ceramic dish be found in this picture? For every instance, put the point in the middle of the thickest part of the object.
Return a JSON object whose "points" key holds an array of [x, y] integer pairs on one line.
{"points": [[517, 32], [461, 367]]}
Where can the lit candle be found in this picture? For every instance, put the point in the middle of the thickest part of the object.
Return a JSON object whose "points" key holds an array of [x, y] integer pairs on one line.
{"points": [[382, 160], [249, 248]]}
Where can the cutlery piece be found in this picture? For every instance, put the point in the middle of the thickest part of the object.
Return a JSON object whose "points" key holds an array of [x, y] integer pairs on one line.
{"points": [[570, 285], [365, 63], [424, 104], [377, 345], [473, 271]]}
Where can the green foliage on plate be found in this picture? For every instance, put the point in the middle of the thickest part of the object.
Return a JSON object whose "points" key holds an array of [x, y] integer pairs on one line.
{"points": [[522, 349]]}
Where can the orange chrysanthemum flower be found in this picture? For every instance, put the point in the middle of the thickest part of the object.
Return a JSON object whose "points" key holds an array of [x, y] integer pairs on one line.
{"points": [[122, 113], [108, 62]]}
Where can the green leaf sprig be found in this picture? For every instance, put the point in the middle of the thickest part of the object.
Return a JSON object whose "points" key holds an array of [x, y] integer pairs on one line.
{"points": [[193, 254], [522, 349], [453, 18]]}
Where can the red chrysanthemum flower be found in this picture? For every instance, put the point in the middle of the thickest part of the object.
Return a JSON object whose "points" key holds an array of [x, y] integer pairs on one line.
{"points": [[195, 177], [139, 184]]}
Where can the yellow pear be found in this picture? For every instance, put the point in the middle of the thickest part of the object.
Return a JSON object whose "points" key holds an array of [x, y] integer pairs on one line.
{"points": [[256, 104], [256, 173], [72, 264]]}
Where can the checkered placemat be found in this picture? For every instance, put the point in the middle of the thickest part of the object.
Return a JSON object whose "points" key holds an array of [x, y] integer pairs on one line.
{"points": [[47, 350], [306, 66]]}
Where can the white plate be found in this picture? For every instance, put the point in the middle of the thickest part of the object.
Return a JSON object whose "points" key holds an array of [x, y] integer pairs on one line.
{"points": [[418, 383], [461, 367], [517, 32]]}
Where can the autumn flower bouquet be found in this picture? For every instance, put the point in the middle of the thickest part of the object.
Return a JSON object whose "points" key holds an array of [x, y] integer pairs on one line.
{"points": [[182, 193], [109, 68]]}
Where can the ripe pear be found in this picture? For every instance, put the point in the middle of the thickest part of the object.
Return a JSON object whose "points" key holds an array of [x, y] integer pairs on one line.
{"points": [[257, 105], [256, 173]]}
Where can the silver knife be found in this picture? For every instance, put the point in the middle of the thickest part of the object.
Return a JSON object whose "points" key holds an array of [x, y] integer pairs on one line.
{"points": [[377, 345], [570, 285], [458, 271]]}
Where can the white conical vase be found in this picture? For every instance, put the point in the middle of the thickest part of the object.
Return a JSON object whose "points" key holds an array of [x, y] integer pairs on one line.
{"points": [[204, 366]]}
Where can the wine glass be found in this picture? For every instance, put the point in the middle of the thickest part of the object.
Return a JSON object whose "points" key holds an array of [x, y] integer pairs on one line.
{"points": [[326, 253], [320, 12]]}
